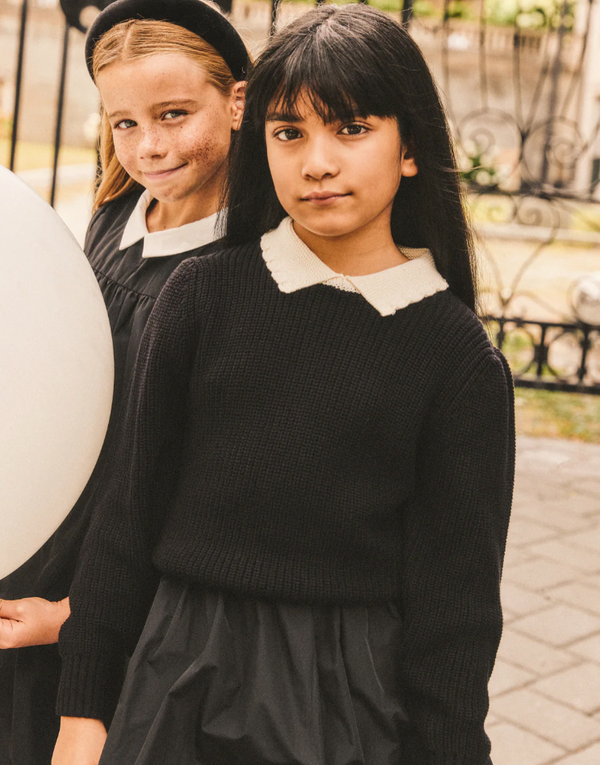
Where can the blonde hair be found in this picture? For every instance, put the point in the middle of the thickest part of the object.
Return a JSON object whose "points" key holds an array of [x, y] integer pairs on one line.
{"points": [[140, 38]]}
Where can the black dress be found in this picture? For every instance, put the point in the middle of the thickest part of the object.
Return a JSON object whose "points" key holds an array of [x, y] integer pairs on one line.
{"points": [[29, 677], [219, 678]]}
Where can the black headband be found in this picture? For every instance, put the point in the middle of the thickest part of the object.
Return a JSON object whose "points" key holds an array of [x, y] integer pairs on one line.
{"points": [[194, 15]]}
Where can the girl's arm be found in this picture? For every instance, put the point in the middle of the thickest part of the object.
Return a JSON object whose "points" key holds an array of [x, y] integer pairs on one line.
{"points": [[31, 621], [455, 531], [115, 582], [80, 742]]}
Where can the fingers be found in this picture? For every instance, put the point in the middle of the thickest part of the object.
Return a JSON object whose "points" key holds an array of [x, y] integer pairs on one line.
{"points": [[10, 633], [11, 609], [30, 621]]}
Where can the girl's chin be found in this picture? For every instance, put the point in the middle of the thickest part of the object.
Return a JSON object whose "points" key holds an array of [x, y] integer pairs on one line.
{"points": [[331, 224], [168, 196], [173, 193], [328, 221], [163, 198], [327, 229]]}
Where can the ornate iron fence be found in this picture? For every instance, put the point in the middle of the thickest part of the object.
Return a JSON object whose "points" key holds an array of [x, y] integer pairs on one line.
{"points": [[531, 158], [523, 94]]}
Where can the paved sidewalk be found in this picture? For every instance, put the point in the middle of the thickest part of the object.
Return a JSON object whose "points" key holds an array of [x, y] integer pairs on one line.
{"points": [[545, 688]]}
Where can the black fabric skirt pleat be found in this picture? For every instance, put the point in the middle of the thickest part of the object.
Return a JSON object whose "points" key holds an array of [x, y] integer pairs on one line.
{"points": [[220, 679]]}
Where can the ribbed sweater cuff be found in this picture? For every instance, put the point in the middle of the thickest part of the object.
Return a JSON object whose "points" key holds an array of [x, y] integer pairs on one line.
{"points": [[444, 758], [89, 686]]}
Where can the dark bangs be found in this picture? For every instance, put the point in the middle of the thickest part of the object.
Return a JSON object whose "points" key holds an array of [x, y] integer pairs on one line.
{"points": [[330, 68]]}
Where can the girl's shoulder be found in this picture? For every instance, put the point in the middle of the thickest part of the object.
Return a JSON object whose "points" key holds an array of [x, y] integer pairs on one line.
{"points": [[216, 268], [115, 208], [110, 218], [456, 325], [226, 264], [462, 346]]}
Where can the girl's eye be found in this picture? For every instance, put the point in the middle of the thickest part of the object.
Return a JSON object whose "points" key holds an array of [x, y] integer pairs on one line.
{"points": [[354, 129], [124, 125], [173, 114], [287, 134]]}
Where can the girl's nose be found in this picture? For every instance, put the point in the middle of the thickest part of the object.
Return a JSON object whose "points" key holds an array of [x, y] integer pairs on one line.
{"points": [[151, 144], [319, 160]]}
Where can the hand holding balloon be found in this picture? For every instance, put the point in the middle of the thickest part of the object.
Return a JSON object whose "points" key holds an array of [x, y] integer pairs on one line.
{"points": [[31, 621]]}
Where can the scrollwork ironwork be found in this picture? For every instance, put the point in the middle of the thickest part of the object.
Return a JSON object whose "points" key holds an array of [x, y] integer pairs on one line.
{"points": [[556, 144]]}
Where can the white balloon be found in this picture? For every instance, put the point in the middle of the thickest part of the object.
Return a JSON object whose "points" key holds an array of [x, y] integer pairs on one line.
{"points": [[56, 371]]}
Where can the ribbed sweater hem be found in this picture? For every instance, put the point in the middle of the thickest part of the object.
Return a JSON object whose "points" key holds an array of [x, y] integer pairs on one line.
{"points": [[89, 686]]}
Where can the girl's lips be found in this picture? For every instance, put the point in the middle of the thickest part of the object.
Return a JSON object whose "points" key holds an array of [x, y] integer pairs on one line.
{"points": [[323, 197], [159, 175]]}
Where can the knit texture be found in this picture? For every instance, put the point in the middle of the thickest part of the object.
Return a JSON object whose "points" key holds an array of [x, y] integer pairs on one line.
{"points": [[303, 447]]}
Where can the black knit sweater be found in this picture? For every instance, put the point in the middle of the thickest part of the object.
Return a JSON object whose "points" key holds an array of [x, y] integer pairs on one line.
{"points": [[303, 447]]}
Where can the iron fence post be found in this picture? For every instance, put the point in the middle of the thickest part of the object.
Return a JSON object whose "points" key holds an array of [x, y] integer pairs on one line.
{"points": [[19, 77], [60, 111], [585, 346], [553, 101]]}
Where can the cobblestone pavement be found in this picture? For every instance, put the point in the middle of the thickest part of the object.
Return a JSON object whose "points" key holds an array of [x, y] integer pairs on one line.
{"points": [[545, 690]]}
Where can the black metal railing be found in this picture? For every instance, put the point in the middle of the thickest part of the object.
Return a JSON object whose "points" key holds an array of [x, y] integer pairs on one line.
{"points": [[529, 160], [550, 355]]}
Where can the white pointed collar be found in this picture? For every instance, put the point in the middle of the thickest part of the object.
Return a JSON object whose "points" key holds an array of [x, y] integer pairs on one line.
{"points": [[171, 241], [294, 266]]}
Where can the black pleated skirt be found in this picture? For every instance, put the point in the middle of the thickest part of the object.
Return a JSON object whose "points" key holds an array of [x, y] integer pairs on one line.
{"points": [[221, 679]]}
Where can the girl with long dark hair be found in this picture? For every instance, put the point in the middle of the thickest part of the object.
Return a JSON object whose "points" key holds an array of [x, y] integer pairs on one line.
{"points": [[312, 492]]}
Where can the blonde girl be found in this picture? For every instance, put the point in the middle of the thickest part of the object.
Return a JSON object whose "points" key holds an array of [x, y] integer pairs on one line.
{"points": [[171, 79]]}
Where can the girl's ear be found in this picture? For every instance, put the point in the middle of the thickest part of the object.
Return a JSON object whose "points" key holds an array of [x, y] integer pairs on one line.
{"points": [[238, 101], [408, 165]]}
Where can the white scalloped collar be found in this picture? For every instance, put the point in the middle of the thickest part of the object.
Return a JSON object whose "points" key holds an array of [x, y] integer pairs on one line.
{"points": [[171, 241], [294, 266]]}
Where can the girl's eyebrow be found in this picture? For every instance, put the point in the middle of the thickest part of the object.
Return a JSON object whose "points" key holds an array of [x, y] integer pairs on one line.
{"points": [[116, 115], [174, 102], [282, 117]]}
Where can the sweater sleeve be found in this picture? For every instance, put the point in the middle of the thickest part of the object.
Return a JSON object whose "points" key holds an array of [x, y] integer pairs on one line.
{"points": [[455, 532], [115, 581]]}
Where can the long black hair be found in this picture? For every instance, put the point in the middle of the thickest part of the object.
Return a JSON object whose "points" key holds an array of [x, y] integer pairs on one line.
{"points": [[354, 61]]}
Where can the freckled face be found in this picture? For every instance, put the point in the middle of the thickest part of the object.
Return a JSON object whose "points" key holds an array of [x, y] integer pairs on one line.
{"points": [[335, 179], [171, 127]]}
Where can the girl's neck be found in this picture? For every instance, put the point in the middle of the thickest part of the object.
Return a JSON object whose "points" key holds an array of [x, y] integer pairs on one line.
{"points": [[164, 215], [197, 204], [358, 253]]}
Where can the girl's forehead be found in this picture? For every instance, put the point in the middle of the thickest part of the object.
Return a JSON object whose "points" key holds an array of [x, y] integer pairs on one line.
{"points": [[147, 77], [303, 104], [296, 108], [154, 69]]}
